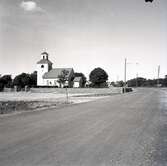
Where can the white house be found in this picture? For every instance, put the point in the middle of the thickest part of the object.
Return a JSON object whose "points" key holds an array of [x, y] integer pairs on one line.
{"points": [[48, 76], [78, 81]]}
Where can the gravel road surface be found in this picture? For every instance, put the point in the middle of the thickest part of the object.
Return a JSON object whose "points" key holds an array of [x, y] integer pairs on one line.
{"points": [[121, 130]]}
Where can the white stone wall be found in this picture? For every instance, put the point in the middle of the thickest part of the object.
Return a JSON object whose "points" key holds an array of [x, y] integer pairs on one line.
{"points": [[54, 82], [40, 72], [51, 82]]}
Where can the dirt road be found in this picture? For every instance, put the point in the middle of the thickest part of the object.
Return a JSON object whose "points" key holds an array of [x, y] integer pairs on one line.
{"points": [[121, 130]]}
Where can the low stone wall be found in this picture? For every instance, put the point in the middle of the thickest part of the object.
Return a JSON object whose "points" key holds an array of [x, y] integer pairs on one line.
{"points": [[77, 90], [8, 90], [16, 89]]}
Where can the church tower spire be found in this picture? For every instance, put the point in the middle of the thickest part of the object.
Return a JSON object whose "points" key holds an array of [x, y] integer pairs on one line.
{"points": [[43, 66]]}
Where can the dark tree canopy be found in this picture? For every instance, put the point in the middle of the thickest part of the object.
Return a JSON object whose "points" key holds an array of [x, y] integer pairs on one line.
{"points": [[6, 81], [143, 82], [25, 79], [98, 76], [33, 77], [148, 0], [165, 81], [136, 82], [119, 83], [1, 85], [22, 80]]}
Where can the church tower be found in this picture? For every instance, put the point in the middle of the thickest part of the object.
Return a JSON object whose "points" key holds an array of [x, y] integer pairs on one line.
{"points": [[43, 66]]}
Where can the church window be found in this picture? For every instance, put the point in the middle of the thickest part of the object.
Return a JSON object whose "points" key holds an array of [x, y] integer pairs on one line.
{"points": [[55, 82], [42, 66]]}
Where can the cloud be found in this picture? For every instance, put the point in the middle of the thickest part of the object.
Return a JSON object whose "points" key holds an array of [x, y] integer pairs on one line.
{"points": [[30, 6]]}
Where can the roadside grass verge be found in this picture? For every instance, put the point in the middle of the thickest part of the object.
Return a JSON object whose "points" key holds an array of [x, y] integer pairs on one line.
{"points": [[43, 98], [7, 107]]}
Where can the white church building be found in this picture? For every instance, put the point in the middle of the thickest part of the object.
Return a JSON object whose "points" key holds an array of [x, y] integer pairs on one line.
{"points": [[48, 76]]}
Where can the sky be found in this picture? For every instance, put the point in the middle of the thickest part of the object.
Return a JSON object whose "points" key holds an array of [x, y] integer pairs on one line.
{"points": [[85, 34]]}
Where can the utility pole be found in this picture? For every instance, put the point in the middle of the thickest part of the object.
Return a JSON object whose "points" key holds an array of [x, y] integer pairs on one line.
{"points": [[117, 78], [136, 80], [136, 75], [158, 76], [125, 75]]}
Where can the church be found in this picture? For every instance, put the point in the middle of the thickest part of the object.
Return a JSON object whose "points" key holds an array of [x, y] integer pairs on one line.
{"points": [[48, 76]]}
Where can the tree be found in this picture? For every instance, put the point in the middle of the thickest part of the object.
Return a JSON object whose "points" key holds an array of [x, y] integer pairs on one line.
{"points": [[22, 80], [119, 83], [6, 81], [98, 77], [1, 85], [113, 84], [149, 1], [150, 83], [83, 78], [139, 82], [33, 77], [165, 81], [62, 78]]}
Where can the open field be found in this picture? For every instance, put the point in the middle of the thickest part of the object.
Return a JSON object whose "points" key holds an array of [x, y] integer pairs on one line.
{"points": [[39, 98]]}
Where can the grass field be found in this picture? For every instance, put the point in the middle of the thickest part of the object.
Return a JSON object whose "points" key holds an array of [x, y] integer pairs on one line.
{"points": [[38, 98]]}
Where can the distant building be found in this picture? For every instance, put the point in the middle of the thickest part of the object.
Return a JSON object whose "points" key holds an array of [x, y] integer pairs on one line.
{"points": [[87, 84], [48, 76], [78, 82]]}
